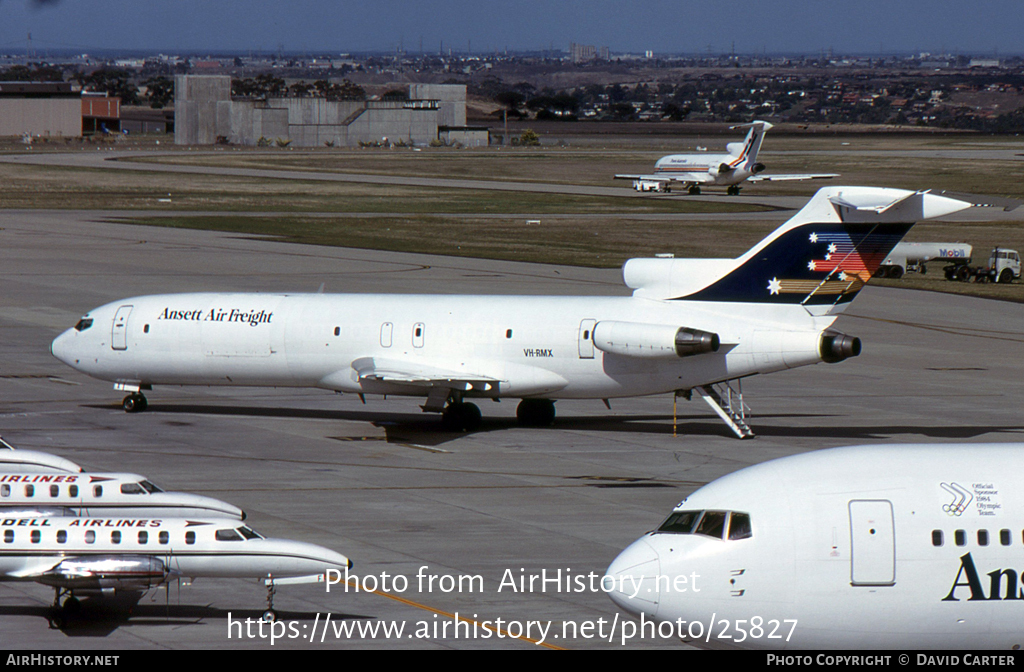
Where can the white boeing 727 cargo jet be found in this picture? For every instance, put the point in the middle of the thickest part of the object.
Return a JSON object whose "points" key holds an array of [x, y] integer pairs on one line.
{"points": [[691, 324], [861, 547]]}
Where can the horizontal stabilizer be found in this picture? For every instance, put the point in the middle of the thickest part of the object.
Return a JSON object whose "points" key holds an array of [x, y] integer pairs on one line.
{"points": [[792, 177]]}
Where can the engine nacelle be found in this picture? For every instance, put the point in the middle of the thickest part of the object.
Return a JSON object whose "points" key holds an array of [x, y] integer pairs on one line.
{"points": [[103, 573], [835, 347], [757, 168], [636, 339], [722, 169]]}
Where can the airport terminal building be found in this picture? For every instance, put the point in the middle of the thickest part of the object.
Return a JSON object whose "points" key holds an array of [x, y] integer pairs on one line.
{"points": [[205, 114]]}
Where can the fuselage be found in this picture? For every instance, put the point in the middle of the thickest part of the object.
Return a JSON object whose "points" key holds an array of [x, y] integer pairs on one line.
{"points": [[103, 494], [905, 546], [138, 553], [534, 346], [680, 165]]}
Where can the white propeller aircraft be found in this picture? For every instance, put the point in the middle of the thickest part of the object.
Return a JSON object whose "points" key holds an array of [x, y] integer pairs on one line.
{"points": [[737, 165], [107, 556], [862, 547], [691, 324]]}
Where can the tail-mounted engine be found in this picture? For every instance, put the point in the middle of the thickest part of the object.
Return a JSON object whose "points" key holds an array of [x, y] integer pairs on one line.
{"points": [[635, 339], [757, 168], [835, 347]]}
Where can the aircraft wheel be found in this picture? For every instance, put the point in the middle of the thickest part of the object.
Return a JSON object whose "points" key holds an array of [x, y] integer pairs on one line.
{"points": [[1006, 276], [733, 190], [461, 417], [57, 621], [134, 403], [694, 190], [536, 412], [71, 606], [269, 616]]}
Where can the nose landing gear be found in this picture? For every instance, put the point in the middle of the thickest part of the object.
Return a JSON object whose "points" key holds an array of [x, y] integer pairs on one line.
{"points": [[134, 403]]}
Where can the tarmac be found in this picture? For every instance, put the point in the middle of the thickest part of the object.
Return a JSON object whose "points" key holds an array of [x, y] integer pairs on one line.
{"points": [[382, 483]]}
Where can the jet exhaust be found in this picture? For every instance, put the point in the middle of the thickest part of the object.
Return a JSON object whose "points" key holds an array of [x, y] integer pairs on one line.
{"points": [[691, 342], [835, 347]]}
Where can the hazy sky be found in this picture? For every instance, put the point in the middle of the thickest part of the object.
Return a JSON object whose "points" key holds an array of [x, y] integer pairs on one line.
{"points": [[982, 27]]}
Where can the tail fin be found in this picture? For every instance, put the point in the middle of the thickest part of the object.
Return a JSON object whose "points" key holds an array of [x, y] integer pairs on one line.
{"points": [[746, 154], [824, 255]]}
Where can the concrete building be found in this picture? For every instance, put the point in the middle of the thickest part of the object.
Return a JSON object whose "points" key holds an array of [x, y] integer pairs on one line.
{"points": [[44, 109], [205, 114]]}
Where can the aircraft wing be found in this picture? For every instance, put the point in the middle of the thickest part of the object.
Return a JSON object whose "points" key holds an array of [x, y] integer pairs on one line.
{"points": [[377, 369], [689, 178], [794, 176]]}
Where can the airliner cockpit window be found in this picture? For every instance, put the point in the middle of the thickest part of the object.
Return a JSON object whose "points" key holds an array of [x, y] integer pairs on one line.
{"points": [[132, 489], [150, 487], [711, 524], [739, 526], [83, 324], [250, 533], [228, 535], [680, 522]]}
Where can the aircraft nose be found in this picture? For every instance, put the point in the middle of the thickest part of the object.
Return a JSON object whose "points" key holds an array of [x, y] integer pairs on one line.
{"points": [[635, 574], [61, 347]]}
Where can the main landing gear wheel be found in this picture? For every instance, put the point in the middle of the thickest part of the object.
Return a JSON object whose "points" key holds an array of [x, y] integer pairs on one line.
{"points": [[134, 403], [536, 412], [693, 191], [461, 416], [57, 620], [733, 190]]}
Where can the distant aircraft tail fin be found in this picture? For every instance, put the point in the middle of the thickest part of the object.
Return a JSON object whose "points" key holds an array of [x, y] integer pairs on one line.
{"points": [[746, 153], [829, 250]]}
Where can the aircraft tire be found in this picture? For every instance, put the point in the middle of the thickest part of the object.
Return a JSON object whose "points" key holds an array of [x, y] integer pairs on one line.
{"points": [[461, 417], [694, 191], [71, 606], [269, 616], [536, 412], [56, 620], [134, 403]]}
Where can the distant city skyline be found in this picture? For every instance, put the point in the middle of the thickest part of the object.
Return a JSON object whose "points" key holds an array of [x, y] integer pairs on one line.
{"points": [[982, 28]]}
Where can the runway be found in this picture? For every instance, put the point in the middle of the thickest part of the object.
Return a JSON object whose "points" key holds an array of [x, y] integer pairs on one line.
{"points": [[384, 485]]}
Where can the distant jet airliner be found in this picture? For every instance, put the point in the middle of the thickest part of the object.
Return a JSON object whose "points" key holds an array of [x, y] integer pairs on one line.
{"points": [[739, 164], [690, 325], [862, 547]]}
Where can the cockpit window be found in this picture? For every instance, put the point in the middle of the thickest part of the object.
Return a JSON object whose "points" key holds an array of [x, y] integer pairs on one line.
{"points": [[150, 487], [249, 533], [680, 522], [712, 524], [228, 535], [83, 324], [132, 489], [709, 523], [739, 526]]}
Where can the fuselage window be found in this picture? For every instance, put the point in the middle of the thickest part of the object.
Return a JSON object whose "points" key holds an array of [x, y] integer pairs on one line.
{"points": [[97, 491], [337, 331], [5, 490], [712, 524], [586, 334], [165, 537], [73, 491], [36, 536], [228, 535], [961, 538], [132, 489], [30, 490], [115, 537], [190, 537], [936, 537], [62, 536], [982, 537], [83, 324], [8, 536], [145, 329], [54, 490], [508, 333], [1004, 537], [143, 537], [90, 536], [739, 526], [680, 522]]}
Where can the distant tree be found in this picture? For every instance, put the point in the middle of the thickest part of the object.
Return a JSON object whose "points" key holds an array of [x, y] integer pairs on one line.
{"points": [[529, 138], [300, 89], [395, 94], [115, 82], [161, 91]]}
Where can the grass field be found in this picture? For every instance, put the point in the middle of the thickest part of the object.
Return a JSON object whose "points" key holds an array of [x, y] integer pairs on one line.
{"points": [[583, 230]]}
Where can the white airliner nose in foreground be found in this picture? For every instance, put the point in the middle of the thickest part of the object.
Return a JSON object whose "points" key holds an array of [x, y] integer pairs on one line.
{"points": [[902, 546]]}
